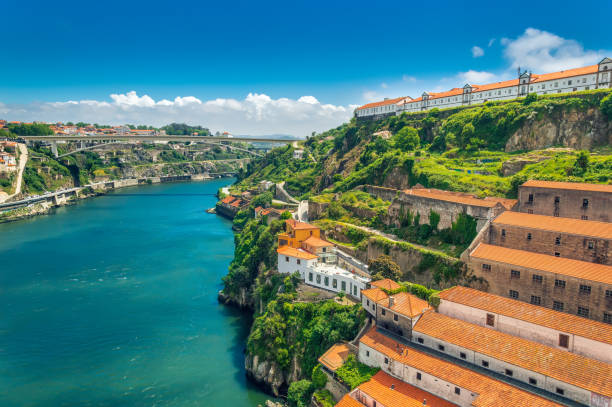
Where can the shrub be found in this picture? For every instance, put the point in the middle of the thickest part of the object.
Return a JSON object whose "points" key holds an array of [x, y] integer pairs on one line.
{"points": [[407, 139], [383, 266], [299, 393], [354, 373], [319, 378], [606, 106], [530, 98]]}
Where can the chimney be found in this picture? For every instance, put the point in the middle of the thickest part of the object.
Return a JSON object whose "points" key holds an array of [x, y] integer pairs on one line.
{"points": [[391, 301]]}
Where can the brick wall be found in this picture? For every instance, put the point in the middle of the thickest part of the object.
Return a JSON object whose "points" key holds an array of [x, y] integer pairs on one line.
{"points": [[570, 203]]}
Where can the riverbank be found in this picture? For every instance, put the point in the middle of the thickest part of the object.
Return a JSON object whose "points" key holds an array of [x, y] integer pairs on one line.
{"points": [[74, 195]]}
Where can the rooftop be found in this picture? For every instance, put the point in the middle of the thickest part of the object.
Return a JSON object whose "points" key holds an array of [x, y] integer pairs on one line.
{"points": [[335, 356], [403, 303], [564, 366], [457, 197], [560, 321], [297, 253], [348, 401], [386, 284], [591, 228], [383, 103], [297, 225], [332, 269], [576, 186], [374, 294], [392, 392], [316, 242], [490, 392], [583, 270]]}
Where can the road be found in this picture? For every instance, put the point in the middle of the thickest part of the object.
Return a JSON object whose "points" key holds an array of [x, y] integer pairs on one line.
{"points": [[23, 159], [156, 138]]}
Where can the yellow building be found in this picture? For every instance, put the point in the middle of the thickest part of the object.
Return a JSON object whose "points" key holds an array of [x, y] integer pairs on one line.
{"points": [[297, 232]]}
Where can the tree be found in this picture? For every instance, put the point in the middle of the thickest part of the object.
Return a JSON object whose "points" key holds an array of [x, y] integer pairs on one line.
{"points": [[530, 98], [299, 393], [285, 215], [582, 163], [606, 106], [319, 378], [407, 138], [383, 266], [434, 219]]}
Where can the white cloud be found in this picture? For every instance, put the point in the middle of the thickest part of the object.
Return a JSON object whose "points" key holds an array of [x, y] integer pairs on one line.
{"points": [[371, 96], [491, 42], [256, 114], [541, 51], [407, 78], [477, 77], [477, 51]]}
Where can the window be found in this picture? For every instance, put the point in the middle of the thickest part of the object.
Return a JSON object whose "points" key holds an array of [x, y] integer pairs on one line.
{"points": [[607, 318], [299, 261], [441, 348], [318, 279], [462, 355], [557, 240], [457, 390], [564, 341], [486, 267], [326, 281], [533, 381], [560, 391], [591, 244], [585, 289], [608, 293], [382, 311], [514, 294], [286, 258], [559, 283], [334, 283], [530, 200], [584, 217], [509, 372], [418, 376], [530, 211], [395, 317], [485, 363], [367, 353], [557, 200], [420, 340], [557, 305], [367, 301], [585, 203], [557, 254], [310, 279], [583, 312], [528, 236], [515, 274], [503, 232], [386, 361], [490, 319], [343, 285], [537, 279]]}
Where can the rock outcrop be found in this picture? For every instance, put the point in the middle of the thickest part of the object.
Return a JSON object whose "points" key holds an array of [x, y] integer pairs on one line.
{"points": [[269, 374]]}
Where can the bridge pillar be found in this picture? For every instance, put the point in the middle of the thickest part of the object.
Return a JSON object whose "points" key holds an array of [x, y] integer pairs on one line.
{"points": [[82, 144], [54, 148]]}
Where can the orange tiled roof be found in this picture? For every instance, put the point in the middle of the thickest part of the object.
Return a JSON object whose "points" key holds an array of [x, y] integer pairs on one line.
{"points": [[386, 284], [537, 78], [316, 242], [407, 304], [335, 356], [379, 387], [228, 199], [558, 265], [348, 401], [297, 225], [577, 186], [298, 253], [567, 367], [495, 86], [450, 196], [490, 392], [559, 321], [236, 203], [505, 202], [374, 294], [591, 228], [382, 103], [439, 95]]}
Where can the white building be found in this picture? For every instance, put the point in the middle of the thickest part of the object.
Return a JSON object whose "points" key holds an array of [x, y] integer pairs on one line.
{"points": [[317, 273], [298, 154], [597, 76]]}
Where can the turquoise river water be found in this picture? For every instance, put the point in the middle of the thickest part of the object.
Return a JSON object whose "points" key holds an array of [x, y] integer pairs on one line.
{"points": [[113, 302]]}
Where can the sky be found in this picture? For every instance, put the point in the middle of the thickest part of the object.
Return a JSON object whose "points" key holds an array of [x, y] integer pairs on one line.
{"points": [[272, 67]]}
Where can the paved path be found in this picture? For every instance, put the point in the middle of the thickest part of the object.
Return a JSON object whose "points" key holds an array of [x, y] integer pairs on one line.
{"points": [[23, 159], [302, 211], [280, 187]]}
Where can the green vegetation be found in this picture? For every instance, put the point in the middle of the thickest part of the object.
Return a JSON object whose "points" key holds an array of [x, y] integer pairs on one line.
{"points": [[354, 373], [299, 393], [32, 129], [324, 398], [384, 267], [182, 129]]}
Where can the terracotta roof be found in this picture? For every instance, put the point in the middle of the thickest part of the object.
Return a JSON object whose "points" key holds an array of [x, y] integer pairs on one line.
{"points": [[558, 265], [439, 95], [567, 367], [348, 401], [559, 321], [537, 78], [490, 392], [391, 392], [316, 242], [298, 253], [335, 356], [228, 199], [450, 196], [591, 228], [386, 284], [577, 186], [382, 103], [505, 202], [407, 304], [297, 225], [236, 203], [374, 294], [495, 86]]}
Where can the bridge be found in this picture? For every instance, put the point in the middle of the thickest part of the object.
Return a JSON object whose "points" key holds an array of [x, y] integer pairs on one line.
{"points": [[107, 139]]}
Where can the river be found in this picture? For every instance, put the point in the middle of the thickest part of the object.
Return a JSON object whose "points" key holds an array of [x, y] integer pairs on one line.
{"points": [[113, 302]]}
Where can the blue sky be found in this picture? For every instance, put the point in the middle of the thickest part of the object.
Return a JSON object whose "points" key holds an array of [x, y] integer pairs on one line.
{"points": [[340, 53]]}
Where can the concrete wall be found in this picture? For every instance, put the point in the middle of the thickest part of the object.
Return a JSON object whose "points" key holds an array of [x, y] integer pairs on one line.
{"points": [[527, 330], [500, 281], [385, 318], [289, 265], [542, 241], [570, 203]]}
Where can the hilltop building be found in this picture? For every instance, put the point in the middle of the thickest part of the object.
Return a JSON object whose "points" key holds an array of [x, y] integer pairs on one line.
{"points": [[301, 249], [572, 80]]}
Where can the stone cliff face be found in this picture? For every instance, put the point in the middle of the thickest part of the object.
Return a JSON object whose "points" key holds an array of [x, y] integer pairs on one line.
{"points": [[269, 375], [575, 129]]}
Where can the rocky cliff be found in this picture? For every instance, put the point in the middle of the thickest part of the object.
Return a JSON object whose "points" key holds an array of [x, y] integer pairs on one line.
{"points": [[579, 129]]}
